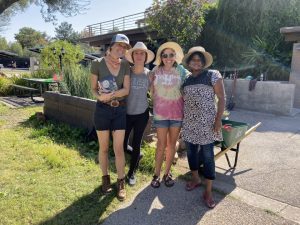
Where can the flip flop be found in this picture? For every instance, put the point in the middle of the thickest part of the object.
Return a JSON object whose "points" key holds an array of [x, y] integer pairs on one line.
{"points": [[191, 185], [209, 202]]}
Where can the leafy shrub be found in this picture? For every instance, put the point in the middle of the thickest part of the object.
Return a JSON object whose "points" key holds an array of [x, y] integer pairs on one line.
{"points": [[235, 29], [42, 73], [5, 88], [147, 163]]}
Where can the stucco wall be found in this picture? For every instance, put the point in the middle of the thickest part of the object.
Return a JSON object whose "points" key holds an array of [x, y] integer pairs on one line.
{"points": [[295, 73], [268, 96]]}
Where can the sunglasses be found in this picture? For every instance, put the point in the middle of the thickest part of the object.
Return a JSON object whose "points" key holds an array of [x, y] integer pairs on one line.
{"points": [[171, 55]]}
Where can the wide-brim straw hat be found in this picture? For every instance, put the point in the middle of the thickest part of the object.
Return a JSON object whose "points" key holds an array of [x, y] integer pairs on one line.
{"points": [[139, 46], [208, 57], [172, 45]]}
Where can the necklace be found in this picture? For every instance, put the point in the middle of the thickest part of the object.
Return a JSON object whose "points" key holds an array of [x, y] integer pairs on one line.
{"points": [[113, 62]]}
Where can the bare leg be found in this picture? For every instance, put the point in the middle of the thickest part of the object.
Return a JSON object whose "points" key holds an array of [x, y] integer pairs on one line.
{"points": [[208, 189], [195, 177], [103, 138], [118, 141], [161, 145], [170, 151]]}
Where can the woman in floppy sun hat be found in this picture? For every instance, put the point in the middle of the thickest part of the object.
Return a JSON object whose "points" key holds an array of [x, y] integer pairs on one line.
{"points": [[202, 120], [168, 77], [110, 84], [137, 103], [207, 56], [171, 45]]}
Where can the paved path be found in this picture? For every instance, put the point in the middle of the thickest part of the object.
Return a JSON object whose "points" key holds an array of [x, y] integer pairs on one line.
{"points": [[175, 206], [269, 161], [263, 189]]}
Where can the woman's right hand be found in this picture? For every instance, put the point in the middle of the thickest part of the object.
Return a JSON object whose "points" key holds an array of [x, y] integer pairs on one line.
{"points": [[106, 97]]}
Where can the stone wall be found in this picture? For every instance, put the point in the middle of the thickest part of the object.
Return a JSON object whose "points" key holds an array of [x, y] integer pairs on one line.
{"points": [[268, 96]]}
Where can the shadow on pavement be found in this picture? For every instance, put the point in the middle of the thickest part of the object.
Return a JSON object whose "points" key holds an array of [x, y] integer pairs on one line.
{"points": [[164, 205], [19, 102]]}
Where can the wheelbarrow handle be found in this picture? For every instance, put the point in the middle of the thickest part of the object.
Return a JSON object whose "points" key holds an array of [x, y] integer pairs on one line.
{"points": [[252, 129], [217, 156]]}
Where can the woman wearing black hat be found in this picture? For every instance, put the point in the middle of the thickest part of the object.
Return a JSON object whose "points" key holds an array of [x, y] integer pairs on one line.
{"points": [[110, 84]]}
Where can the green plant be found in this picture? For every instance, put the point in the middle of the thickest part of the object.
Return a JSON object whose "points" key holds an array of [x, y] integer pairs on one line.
{"points": [[42, 73], [147, 163], [51, 54], [77, 80], [5, 88], [232, 28], [178, 20], [266, 58]]}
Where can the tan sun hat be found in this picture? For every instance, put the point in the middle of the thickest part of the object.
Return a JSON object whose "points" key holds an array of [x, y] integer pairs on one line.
{"points": [[172, 45], [208, 57], [139, 46]]}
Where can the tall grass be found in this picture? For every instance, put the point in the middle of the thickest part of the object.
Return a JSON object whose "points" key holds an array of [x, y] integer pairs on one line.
{"points": [[77, 80]]}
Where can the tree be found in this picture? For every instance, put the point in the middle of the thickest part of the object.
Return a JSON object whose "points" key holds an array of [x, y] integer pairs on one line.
{"points": [[51, 59], [29, 37], [48, 7], [16, 48], [245, 34], [178, 20], [65, 32], [3, 44]]}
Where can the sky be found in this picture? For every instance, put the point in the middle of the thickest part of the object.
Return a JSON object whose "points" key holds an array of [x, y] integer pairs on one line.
{"points": [[98, 11]]}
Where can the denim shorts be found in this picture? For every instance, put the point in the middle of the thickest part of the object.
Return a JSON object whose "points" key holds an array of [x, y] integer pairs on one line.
{"points": [[109, 118], [167, 123], [202, 155]]}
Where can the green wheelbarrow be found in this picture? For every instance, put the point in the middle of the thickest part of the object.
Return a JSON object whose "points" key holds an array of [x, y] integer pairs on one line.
{"points": [[233, 133]]}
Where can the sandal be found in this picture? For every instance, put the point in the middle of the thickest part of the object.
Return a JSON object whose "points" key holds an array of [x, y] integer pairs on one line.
{"points": [[209, 202], [191, 185], [155, 183], [167, 178]]}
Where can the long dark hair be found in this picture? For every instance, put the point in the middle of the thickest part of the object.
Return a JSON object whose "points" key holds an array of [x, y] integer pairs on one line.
{"points": [[201, 56], [161, 62]]}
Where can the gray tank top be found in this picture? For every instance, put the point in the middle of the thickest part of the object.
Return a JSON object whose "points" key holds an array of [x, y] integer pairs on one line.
{"points": [[137, 101]]}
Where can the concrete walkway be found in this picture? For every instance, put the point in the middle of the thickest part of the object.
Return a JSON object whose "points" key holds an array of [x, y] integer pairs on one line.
{"points": [[269, 158], [263, 189], [175, 206]]}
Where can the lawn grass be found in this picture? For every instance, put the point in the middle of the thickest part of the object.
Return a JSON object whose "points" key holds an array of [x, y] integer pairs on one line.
{"points": [[49, 175]]}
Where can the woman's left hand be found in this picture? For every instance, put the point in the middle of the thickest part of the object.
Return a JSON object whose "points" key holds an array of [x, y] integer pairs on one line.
{"points": [[217, 125]]}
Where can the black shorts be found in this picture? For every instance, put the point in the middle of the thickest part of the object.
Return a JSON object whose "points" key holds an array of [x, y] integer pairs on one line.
{"points": [[109, 118]]}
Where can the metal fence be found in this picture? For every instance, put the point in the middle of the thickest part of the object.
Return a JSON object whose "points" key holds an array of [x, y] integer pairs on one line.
{"points": [[124, 23]]}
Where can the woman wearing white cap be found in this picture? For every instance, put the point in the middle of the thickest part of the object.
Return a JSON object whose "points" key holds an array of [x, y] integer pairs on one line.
{"points": [[137, 103], [202, 121], [110, 84], [168, 77]]}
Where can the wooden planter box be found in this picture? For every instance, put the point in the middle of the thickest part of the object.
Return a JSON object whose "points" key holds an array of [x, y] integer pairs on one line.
{"points": [[77, 111]]}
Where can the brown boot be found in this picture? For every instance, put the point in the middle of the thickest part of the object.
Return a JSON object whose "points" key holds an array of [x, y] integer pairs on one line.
{"points": [[121, 192], [106, 187]]}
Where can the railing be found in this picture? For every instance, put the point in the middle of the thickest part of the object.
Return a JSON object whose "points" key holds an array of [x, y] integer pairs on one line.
{"points": [[124, 23]]}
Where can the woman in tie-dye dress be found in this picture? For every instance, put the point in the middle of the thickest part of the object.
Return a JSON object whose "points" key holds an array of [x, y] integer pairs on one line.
{"points": [[168, 77]]}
